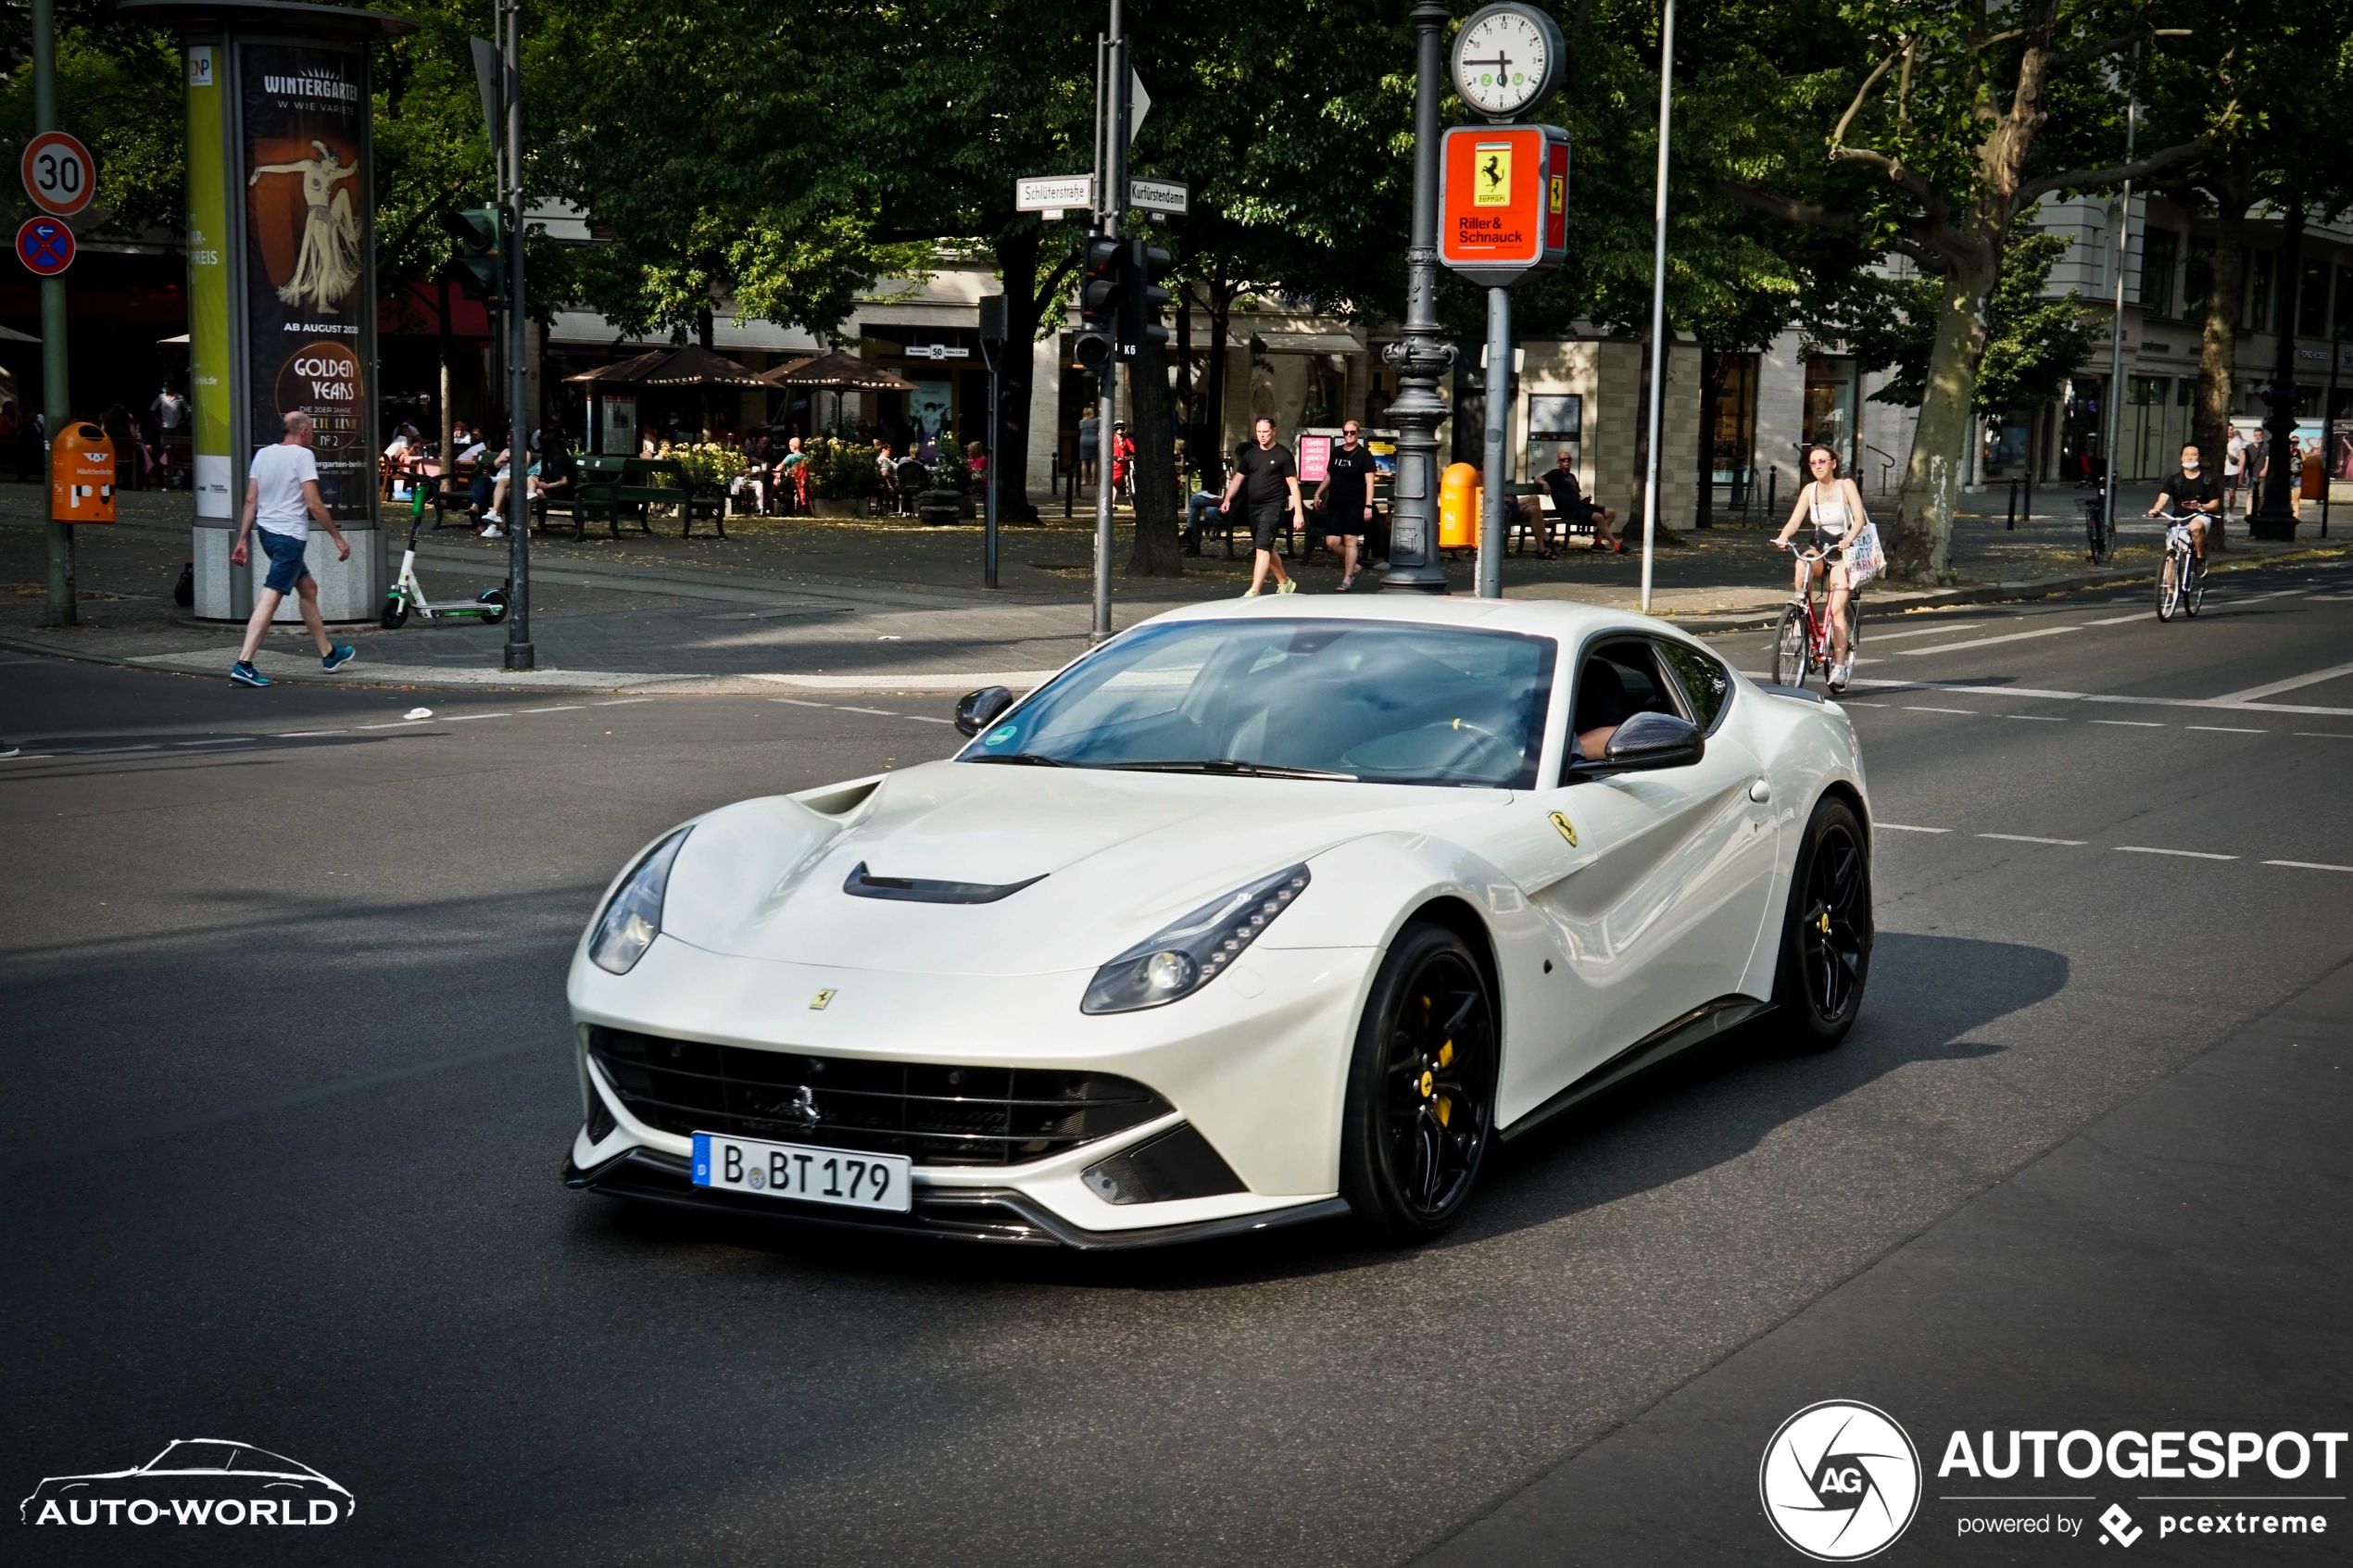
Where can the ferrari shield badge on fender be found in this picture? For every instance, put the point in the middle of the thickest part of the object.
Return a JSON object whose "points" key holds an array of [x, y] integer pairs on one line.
{"points": [[817, 1003], [1568, 830]]}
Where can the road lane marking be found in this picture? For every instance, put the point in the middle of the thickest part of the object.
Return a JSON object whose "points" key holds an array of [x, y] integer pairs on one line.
{"points": [[2120, 620], [1901, 827], [117, 750], [2254, 693], [2324, 734], [224, 740], [621, 702], [300, 734], [2225, 730], [2030, 838], [565, 707], [2186, 854], [797, 702], [462, 718], [1878, 637], [1848, 702], [2309, 865], [2130, 723], [878, 712], [927, 719], [1911, 708], [1989, 642], [2038, 718]]}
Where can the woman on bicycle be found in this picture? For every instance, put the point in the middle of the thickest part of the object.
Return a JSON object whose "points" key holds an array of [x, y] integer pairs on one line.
{"points": [[1831, 504]]}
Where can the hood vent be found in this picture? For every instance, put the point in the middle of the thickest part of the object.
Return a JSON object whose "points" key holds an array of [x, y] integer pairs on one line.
{"points": [[920, 890]]}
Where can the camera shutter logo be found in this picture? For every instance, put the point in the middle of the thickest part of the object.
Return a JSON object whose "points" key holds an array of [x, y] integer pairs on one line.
{"points": [[1840, 1481]]}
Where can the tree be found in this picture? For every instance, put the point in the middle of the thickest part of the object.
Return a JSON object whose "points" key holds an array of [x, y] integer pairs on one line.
{"points": [[1974, 115], [2033, 341]]}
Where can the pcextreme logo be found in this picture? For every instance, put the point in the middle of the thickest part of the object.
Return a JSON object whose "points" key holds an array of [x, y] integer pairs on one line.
{"points": [[193, 1481], [1840, 1481]]}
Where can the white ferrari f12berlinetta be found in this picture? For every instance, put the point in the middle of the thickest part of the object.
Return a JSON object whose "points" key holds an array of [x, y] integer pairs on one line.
{"points": [[1260, 912]]}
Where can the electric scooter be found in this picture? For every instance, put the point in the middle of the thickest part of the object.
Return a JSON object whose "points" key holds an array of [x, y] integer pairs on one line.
{"points": [[406, 593]]}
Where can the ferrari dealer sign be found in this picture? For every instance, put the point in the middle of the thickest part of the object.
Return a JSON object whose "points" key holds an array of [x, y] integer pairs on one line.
{"points": [[1504, 201]]}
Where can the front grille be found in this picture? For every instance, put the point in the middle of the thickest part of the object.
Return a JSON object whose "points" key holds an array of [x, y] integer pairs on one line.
{"points": [[934, 1115]]}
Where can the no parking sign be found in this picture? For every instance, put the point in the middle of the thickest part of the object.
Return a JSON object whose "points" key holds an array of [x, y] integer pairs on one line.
{"points": [[45, 245]]}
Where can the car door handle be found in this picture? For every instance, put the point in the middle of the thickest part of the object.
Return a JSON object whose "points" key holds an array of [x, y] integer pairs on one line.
{"points": [[1760, 792]]}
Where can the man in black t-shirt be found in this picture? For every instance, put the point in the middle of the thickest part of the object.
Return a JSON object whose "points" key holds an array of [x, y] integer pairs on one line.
{"points": [[1267, 479], [1570, 506], [2191, 495], [1346, 495]]}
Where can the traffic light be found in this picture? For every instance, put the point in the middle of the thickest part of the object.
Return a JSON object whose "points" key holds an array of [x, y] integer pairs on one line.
{"points": [[1140, 301], [481, 261], [1102, 286]]}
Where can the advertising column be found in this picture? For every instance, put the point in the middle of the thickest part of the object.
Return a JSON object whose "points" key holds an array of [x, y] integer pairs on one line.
{"points": [[282, 286], [309, 308]]}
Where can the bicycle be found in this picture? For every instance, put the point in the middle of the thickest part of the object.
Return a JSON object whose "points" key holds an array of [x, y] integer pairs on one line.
{"points": [[2181, 581], [2097, 528], [1802, 642]]}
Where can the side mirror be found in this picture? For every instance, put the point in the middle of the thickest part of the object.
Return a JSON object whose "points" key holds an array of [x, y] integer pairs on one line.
{"points": [[979, 709], [1648, 741]]}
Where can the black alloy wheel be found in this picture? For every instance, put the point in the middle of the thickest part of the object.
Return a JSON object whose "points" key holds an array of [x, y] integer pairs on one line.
{"points": [[1826, 936], [1421, 1089]]}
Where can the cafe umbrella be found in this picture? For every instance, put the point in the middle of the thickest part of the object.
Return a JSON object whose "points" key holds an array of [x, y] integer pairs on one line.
{"points": [[838, 374], [688, 365]]}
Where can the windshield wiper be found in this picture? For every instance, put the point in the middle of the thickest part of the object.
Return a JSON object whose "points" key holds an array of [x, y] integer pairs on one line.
{"points": [[1243, 769], [1024, 759]]}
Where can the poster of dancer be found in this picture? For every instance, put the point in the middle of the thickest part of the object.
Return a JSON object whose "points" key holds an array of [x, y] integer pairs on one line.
{"points": [[308, 305]]}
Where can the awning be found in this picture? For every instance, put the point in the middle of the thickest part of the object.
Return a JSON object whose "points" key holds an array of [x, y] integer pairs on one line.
{"points": [[690, 366], [837, 372], [1310, 343]]}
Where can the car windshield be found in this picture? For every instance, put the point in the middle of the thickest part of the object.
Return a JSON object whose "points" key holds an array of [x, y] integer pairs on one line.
{"points": [[1379, 701]]}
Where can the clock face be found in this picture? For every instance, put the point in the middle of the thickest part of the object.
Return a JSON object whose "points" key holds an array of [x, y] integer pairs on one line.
{"points": [[1505, 59]]}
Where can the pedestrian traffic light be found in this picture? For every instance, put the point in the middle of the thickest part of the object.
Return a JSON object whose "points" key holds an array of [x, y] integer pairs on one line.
{"points": [[1102, 284], [1140, 300], [481, 261]]}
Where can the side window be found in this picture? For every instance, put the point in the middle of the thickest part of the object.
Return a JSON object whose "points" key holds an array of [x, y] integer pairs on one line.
{"points": [[1617, 680], [1705, 684]]}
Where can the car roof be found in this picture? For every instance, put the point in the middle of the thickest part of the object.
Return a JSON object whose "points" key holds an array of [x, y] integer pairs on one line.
{"points": [[1567, 619]]}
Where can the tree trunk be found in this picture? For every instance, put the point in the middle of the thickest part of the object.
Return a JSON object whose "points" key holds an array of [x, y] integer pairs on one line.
{"points": [[448, 383], [1017, 259], [1158, 552], [1920, 543], [1712, 367], [1213, 413], [2278, 511], [2218, 346]]}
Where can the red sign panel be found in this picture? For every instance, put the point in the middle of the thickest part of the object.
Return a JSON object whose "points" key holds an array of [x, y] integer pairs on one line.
{"points": [[1503, 200]]}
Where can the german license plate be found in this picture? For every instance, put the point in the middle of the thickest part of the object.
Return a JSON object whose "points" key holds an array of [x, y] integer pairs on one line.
{"points": [[804, 1174]]}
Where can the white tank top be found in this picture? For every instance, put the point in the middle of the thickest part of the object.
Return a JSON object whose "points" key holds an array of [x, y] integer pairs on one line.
{"points": [[1829, 516]]}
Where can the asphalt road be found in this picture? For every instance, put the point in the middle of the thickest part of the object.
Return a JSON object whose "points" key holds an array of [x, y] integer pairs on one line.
{"points": [[291, 1087]]}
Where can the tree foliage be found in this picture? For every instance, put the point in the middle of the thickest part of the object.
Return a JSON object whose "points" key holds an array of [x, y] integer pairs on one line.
{"points": [[2033, 341]]}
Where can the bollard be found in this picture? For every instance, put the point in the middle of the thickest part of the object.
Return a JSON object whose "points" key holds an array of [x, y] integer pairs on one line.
{"points": [[2011, 526]]}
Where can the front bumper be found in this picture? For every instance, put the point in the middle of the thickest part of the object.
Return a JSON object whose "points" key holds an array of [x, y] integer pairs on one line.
{"points": [[1003, 1215]]}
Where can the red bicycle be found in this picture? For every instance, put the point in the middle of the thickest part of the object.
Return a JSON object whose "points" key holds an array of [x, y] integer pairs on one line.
{"points": [[1802, 643]]}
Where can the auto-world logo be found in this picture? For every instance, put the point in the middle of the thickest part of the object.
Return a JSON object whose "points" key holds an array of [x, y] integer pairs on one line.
{"points": [[1840, 1481], [193, 1481]]}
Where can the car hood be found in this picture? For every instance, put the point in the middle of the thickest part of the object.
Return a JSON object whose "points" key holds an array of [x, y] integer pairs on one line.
{"points": [[1108, 859]]}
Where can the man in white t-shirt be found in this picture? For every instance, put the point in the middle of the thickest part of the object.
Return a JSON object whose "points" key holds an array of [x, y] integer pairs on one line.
{"points": [[2233, 470], [281, 497]]}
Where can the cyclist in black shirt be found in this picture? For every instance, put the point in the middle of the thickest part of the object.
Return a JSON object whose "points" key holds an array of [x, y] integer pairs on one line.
{"points": [[2191, 495]]}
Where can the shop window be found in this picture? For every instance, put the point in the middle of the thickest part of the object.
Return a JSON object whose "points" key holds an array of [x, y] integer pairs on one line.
{"points": [[2312, 301], [1829, 408], [2158, 249]]}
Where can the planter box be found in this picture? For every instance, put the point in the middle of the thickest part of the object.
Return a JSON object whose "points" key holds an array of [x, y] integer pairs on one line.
{"points": [[822, 506]]}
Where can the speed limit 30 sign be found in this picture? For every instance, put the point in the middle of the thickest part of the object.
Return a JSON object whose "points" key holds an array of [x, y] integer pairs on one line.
{"points": [[59, 173]]}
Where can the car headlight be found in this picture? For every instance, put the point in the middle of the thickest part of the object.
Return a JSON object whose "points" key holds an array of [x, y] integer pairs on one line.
{"points": [[1181, 958], [633, 918]]}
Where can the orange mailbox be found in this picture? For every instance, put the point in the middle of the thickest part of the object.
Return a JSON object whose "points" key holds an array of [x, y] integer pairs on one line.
{"points": [[1458, 508], [81, 475]]}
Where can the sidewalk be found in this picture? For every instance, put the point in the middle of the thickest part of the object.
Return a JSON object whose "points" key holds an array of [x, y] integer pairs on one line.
{"points": [[876, 605]]}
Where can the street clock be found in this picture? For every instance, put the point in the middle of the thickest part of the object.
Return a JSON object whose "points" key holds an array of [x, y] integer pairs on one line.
{"points": [[1508, 59]]}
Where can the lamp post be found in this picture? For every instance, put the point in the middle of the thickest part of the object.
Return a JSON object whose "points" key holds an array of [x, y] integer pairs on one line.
{"points": [[1658, 298], [57, 396], [1420, 356], [521, 654]]}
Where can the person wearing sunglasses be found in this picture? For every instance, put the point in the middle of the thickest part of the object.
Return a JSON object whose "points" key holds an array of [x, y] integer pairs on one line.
{"points": [[1346, 498]]}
